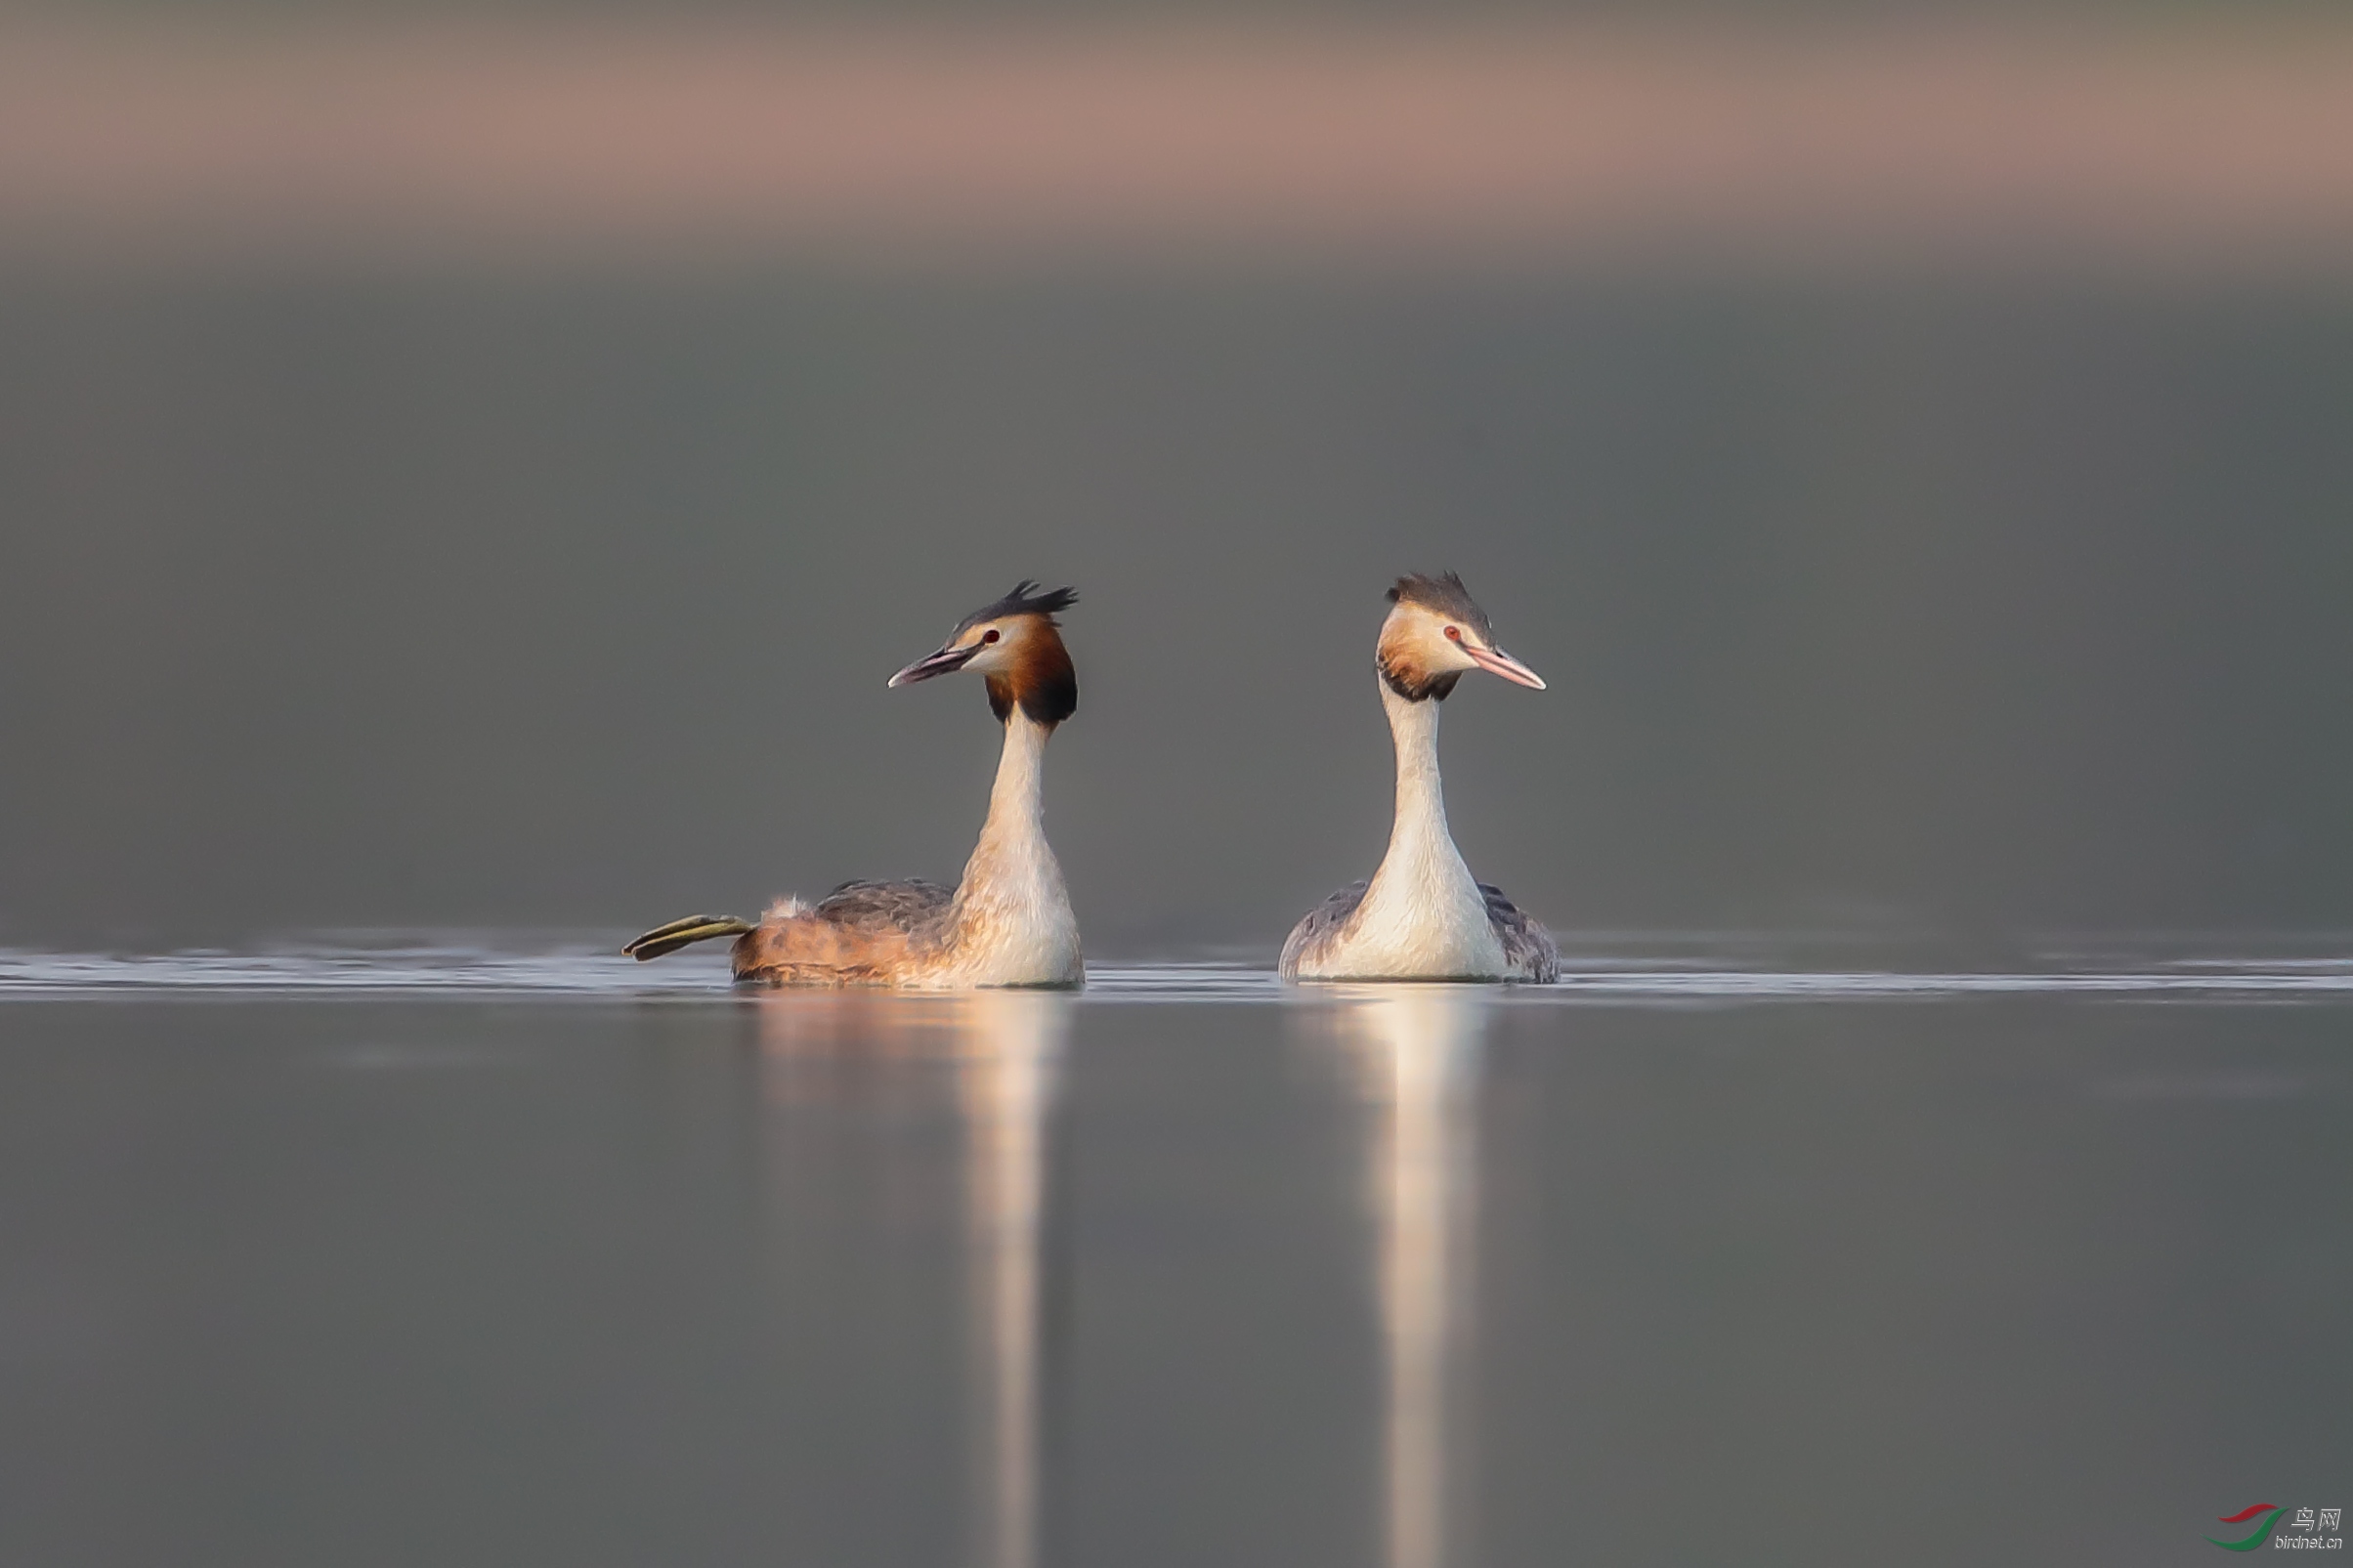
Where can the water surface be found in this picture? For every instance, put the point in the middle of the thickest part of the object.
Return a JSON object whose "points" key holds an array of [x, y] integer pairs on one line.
{"points": [[443, 1249]]}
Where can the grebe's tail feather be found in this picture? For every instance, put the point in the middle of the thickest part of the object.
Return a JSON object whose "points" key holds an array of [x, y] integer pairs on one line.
{"points": [[666, 938]]}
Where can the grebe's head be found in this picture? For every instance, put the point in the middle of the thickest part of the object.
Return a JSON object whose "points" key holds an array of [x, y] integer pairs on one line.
{"points": [[1433, 633], [1018, 645]]}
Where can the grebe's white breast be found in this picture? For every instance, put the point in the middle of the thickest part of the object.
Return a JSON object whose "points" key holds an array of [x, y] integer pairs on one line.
{"points": [[1422, 917], [1419, 920], [1013, 923]]}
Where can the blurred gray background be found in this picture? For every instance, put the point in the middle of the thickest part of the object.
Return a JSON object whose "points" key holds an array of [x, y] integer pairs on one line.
{"points": [[481, 472], [1973, 610]]}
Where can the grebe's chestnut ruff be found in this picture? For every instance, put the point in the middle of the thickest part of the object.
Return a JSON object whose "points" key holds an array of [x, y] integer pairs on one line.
{"points": [[1008, 921], [1421, 917]]}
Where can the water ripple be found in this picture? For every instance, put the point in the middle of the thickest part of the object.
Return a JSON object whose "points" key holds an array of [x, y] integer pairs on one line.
{"points": [[476, 970]]}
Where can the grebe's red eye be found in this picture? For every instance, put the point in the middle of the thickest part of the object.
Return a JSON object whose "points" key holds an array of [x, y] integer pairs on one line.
{"points": [[988, 636], [1455, 633]]}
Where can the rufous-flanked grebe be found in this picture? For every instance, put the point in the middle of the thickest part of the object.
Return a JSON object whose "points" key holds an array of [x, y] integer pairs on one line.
{"points": [[1008, 922]]}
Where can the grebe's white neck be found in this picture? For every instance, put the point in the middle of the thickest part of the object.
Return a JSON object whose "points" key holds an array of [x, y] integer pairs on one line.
{"points": [[1422, 914], [1017, 799], [1421, 822], [1013, 923]]}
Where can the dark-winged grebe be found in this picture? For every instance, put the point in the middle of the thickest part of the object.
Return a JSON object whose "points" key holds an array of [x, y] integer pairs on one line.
{"points": [[1422, 917], [1008, 921]]}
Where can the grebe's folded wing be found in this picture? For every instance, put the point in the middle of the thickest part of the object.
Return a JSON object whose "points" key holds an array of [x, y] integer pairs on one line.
{"points": [[884, 906], [1321, 924], [1528, 949]]}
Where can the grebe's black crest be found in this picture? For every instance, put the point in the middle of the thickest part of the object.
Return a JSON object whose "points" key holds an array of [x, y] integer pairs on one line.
{"points": [[1024, 600], [1444, 594]]}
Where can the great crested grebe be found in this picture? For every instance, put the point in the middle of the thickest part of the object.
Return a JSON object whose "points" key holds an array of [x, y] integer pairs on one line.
{"points": [[1008, 921], [1421, 917]]}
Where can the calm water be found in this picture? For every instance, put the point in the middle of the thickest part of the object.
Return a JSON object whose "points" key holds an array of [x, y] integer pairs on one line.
{"points": [[434, 1251]]}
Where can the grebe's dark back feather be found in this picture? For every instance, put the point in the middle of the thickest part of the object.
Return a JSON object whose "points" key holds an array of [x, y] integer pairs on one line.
{"points": [[1320, 924], [864, 906], [1528, 948]]}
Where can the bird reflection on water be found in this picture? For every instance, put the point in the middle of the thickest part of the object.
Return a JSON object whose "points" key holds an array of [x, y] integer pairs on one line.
{"points": [[1008, 1069], [1412, 1057], [1416, 1053], [1003, 1051]]}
